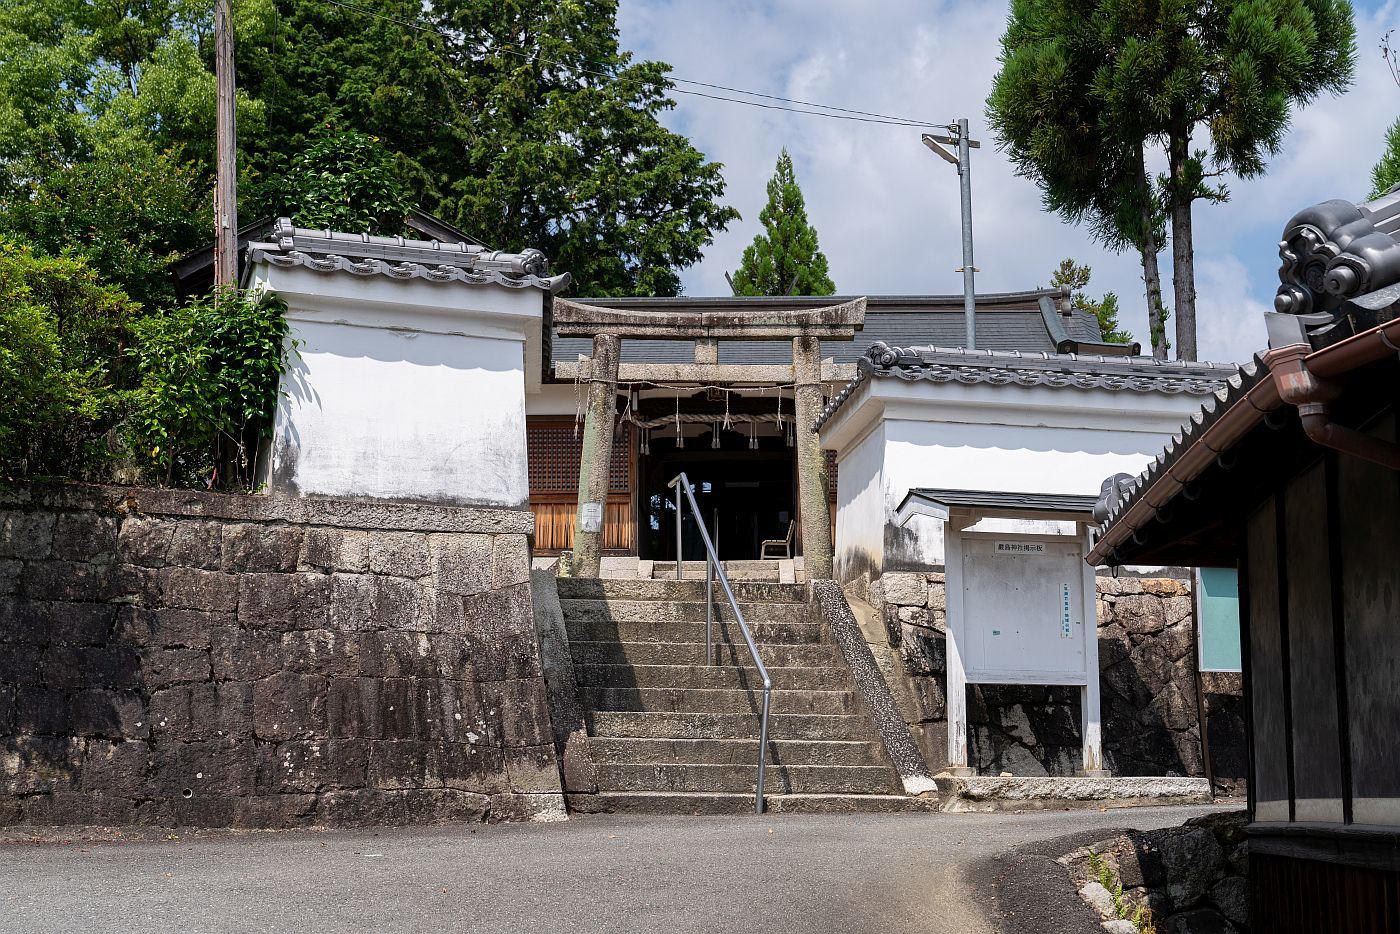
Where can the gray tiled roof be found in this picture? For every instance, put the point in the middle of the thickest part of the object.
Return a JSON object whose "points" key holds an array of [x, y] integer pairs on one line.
{"points": [[1069, 371], [400, 258], [1012, 321]]}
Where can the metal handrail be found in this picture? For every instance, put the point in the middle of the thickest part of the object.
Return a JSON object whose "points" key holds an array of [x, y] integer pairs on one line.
{"points": [[713, 568]]}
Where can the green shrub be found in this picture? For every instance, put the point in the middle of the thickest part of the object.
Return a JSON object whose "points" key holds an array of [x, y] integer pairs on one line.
{"points": [[62, 337], [208, 383]]}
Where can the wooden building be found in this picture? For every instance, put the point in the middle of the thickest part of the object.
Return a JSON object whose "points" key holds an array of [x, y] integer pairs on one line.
{"points": [[1290, 475]]}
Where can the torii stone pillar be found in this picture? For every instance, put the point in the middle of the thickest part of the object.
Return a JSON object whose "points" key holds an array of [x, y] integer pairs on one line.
{"points": [[812, 503], [595, 461]]}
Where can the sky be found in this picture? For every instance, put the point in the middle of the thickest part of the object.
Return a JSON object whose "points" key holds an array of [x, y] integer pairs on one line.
{"points": [[886, 209]]}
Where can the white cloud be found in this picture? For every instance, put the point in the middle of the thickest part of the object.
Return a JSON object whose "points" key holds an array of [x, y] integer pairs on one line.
{"points": [[887, 210]]}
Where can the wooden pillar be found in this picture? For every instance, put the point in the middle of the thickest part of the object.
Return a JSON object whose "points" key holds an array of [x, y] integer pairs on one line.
{"points": [[595, 462], [813, 505]]}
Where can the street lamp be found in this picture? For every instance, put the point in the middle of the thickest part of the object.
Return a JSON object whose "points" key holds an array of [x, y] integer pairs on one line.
{"points": [[960, 139]]}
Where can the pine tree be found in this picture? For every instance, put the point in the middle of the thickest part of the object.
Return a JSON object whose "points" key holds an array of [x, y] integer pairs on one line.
{"points": [[1159, 71], [785, 258], [1076, 277]]}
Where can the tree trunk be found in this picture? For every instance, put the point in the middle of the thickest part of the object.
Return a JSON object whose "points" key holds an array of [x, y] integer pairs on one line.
{"points": [[1183, 256], [1151, 275]]}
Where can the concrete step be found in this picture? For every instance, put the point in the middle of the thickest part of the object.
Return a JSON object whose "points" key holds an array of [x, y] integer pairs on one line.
{"points": [[592, 588], [633, 751], [713, 700], [774, 654], [603, 630], [716, 676], [664, 724], [779, 779], [721, 802], [672, 611]]}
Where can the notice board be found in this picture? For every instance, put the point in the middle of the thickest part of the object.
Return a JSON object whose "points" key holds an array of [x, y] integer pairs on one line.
{"points": [[1218, 612]]}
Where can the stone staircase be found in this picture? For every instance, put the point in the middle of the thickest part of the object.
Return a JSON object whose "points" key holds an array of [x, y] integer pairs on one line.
{"points": [[669, 734]]}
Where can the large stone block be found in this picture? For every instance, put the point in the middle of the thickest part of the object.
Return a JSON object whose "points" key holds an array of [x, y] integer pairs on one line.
{"points": [[321, 651], [516, 712], [169, 628], [361, 807], [448, 710], [400, 603], [352, 708], [244, 654], [510, 561], [439, 805], [21, 665], [1193, 862], [7, 709], [252, 547], [312, 765], [76, 667], [42, 711], [81, 623], [904, 589], [289, 706], [162, 668], [400, 554], [110, 714], [461, 563], [145, 541], [285, 602], [353, 602], [204, 769], [27, 535], [197, 544], [408, 763], [193, 589], [84, 536], [274, 812], [395, 654], [324, 549], [203, 711], [533, 769], [117, 768], [38, 764], [64, 580]]}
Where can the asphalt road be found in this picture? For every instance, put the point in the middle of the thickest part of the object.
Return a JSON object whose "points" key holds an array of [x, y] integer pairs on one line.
{"points": [[785, 873]]}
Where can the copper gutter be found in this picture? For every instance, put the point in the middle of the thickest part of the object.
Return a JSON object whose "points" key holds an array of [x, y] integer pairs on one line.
{"points": [[1297, 376]]}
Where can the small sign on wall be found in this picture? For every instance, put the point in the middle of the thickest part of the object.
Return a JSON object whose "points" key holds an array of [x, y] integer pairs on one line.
{"points": [[591, 517]]}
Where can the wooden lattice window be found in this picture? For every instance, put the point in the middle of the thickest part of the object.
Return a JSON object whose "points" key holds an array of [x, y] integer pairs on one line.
{"points": [[554, 450]]}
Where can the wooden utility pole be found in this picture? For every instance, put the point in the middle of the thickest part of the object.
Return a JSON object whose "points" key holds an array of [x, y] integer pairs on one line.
{"points": [[225, 179]]}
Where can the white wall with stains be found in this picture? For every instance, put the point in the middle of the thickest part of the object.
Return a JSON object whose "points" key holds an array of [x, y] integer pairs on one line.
{"points": [[405, 390], [893, 435]]}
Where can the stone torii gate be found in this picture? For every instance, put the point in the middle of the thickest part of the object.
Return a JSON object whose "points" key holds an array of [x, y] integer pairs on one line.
{"points": [[805, 326]]}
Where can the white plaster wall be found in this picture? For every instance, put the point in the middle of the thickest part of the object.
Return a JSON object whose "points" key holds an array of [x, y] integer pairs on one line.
{"points": [[860, 506], [404, 389], [1005, 438], [403, 415], [554, 399]]}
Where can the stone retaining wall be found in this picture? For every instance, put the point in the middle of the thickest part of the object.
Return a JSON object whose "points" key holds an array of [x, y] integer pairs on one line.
{"points": [[196, 659], [1148, 702]]}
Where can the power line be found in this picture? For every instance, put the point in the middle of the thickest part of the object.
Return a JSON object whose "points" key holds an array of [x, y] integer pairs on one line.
{"points": [[836, 113]]}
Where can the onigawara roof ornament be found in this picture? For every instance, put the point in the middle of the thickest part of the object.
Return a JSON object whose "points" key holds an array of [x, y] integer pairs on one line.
{"points": [[1341, 266]]}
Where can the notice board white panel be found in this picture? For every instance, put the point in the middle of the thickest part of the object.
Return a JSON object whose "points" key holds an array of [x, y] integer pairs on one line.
{"points": [[1023, 610]]}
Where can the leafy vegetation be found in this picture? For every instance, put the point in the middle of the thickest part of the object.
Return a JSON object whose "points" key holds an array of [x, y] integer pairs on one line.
{"points": [[346, 180], [208, 374], [1086, 85], [785, 258], [1076, 277], [62, 339], [1140, 915], [93, 389], [523, 123]]}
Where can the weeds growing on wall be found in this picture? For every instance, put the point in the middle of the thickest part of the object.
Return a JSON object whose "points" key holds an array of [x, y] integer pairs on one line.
{"points": [[92, 389]]}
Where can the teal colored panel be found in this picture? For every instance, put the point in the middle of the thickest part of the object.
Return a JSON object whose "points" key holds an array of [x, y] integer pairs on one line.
{"points": [[1218, 602]]}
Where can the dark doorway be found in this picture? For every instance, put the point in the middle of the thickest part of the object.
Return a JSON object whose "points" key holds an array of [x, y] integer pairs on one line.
{"points": [[746, 495]]}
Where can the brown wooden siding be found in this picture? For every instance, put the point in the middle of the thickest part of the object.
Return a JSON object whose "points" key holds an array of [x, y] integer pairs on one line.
{"points": [[554, 447]]}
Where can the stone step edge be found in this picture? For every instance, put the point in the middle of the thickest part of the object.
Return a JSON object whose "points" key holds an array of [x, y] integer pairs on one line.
{"points": [[728, 803]]}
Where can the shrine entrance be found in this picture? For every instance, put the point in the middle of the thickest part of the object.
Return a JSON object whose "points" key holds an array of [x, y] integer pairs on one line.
{"points": [[745, 493]]}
